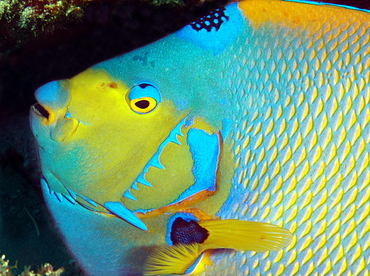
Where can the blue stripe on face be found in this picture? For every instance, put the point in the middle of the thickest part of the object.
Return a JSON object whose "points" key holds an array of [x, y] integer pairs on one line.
{"points": [[53, 95]]}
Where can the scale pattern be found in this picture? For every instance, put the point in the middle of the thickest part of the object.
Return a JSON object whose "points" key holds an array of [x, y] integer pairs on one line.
{"points": [[302, 148]]}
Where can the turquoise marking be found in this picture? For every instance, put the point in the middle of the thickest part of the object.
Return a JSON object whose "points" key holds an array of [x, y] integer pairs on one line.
{"points": [[43, 181], [141, 179], [155, 160], [144, 90], [129, 195], [70, 199], [226, 126], [88, 208], [72, 193], [53, 95], [93, 203], [58, 196], [216, 40], [194, 265], [134, 186], [205, 150], [121, 211]]}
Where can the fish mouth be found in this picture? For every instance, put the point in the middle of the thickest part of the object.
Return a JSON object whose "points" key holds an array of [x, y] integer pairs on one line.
{"points": [[40, 111]]}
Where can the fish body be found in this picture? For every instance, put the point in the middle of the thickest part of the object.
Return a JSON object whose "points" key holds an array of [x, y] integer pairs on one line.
{"points": [[259, 111]]}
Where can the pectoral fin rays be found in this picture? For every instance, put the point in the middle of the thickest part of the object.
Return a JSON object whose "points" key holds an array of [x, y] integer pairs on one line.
{"points": [[172, 259], [230, 233], [246, 235]]}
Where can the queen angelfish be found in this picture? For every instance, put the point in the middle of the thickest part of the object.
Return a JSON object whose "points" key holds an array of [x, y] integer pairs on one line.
{"points": [[246, 130]]}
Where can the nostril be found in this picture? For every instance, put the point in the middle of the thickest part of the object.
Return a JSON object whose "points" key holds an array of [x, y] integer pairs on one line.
{"points": [[40, 110]]}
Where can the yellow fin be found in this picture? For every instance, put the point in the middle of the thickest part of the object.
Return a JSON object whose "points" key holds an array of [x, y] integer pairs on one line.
{"points": [[229, 233], [172, 259], [245, 235]]}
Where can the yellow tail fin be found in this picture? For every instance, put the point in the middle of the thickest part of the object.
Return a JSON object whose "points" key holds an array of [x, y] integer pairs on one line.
{"points": [[172, 259], [245, 235]]}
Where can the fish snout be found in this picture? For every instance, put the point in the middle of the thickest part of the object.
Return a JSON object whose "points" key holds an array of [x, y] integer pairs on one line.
{"points": [[51, 110], [52, 100]]}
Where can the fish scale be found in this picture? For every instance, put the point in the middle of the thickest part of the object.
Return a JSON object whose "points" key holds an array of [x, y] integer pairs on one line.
{"points": [[305, 161]]}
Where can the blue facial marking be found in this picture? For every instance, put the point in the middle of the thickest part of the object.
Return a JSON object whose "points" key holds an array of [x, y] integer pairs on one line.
{"points": [[144, 90], [53, 95]]}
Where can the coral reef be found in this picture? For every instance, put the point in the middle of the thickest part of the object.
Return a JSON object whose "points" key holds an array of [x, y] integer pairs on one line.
{"points": [[22, 21], [40, 15], [45, 270], [32, 18]]}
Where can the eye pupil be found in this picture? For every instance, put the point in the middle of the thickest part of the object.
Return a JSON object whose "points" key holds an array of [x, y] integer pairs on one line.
{"points": [[142, 104]]}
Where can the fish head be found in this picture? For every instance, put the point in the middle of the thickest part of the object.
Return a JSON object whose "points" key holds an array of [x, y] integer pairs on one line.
{"points": [[131, 144], [123, 148]]}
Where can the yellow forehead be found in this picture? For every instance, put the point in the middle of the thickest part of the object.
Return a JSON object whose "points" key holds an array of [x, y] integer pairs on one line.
{"points": [[110, 136], [96, 97]]}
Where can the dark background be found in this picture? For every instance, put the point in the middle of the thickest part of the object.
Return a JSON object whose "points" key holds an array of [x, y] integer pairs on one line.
{"points": [[27, 61]]}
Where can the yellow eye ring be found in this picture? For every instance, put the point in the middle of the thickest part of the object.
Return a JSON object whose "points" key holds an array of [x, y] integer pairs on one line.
{"points": [[143, 105]]}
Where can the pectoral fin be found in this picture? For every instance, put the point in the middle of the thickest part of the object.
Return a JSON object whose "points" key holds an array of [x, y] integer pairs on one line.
{"points": [[228, 233], [245, 235], [172, 259]]}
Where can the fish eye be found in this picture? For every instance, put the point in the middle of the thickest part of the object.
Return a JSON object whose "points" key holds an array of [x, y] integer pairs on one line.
{"points": [[143, 98], [143, 105]]}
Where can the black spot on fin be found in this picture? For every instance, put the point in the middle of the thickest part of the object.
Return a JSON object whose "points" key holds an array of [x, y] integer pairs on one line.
{"points": [[187, 232], [213, 20]]}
